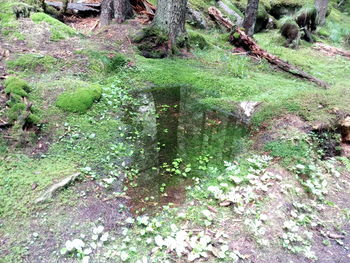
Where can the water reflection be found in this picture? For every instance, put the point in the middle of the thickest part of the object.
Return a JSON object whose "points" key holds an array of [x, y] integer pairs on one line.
{"points": [[176, 125]]}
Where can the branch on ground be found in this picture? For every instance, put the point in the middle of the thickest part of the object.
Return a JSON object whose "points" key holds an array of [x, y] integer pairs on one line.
{"points": [[240, 39]]}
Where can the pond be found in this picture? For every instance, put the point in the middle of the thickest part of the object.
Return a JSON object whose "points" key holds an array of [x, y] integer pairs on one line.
{"points": [[179, 138]]}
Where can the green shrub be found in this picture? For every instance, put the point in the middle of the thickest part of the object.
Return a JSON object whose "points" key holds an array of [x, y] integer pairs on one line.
{"points": [[16, 86], [58, 29], [115, 63], [80, 100]]}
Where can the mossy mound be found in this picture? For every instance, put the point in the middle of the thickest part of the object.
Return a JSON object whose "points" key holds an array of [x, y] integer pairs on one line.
{"points": [[17, 89], [16, 86], [58, 29], [290, 30], [80, 100], [152, 42]]}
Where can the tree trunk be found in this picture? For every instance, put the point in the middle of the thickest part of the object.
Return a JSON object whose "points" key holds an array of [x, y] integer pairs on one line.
{"points": [[122, 10], [250, 16], [118, 9], [170, 18], [107, 11], [321, 7]]}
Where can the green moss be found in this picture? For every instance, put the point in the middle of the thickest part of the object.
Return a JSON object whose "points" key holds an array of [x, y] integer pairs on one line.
{"points": [[287, 20], [32, 62], [80, 100], [15, 111], [197, 40], [201, 4], [33, 119], [16, 86], [58, 29]]}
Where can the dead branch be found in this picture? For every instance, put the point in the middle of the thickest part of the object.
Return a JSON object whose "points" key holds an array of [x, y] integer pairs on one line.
{"points": [[331, 51], [240, 39]]}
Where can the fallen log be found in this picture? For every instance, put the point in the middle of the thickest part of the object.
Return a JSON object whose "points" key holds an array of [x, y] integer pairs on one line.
{"points": [[80, 7], [217, 16], [240, 39], [331, 51]]}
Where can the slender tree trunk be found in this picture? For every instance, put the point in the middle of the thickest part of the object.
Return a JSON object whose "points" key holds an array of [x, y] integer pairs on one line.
{"points": [[250, 16], [118, 9], [170, 18], [122, 10], [107, 11], [321, 7]]}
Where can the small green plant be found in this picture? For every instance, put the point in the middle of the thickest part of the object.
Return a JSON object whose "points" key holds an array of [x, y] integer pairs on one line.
{"points": [[80, 100], [289, 150], [115, 63]]}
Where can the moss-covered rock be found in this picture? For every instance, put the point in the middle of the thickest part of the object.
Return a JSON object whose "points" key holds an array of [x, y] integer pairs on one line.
{"points": [[290, 30], [306, 17], [58, 29], [262, 19], [80, 100]]}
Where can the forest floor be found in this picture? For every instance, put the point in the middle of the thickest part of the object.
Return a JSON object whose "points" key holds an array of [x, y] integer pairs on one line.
{"points": [[167, 174]]}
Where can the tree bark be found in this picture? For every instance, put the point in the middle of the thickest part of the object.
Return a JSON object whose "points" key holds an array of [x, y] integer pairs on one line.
{"points": [[107, 11], [122, 10], [170, 18], [118, 9], [250, 16], [321, 7]]}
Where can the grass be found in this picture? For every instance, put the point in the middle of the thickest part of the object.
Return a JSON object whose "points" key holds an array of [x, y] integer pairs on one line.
{"points": [[91, 139], [32, 62], [18, 174]]}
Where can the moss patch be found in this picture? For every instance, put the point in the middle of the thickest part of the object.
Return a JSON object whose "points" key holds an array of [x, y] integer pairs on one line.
{"points": [[198, 40], [16, 86], [32, 62], [80, 100], [58, 29], [17, 89]]}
